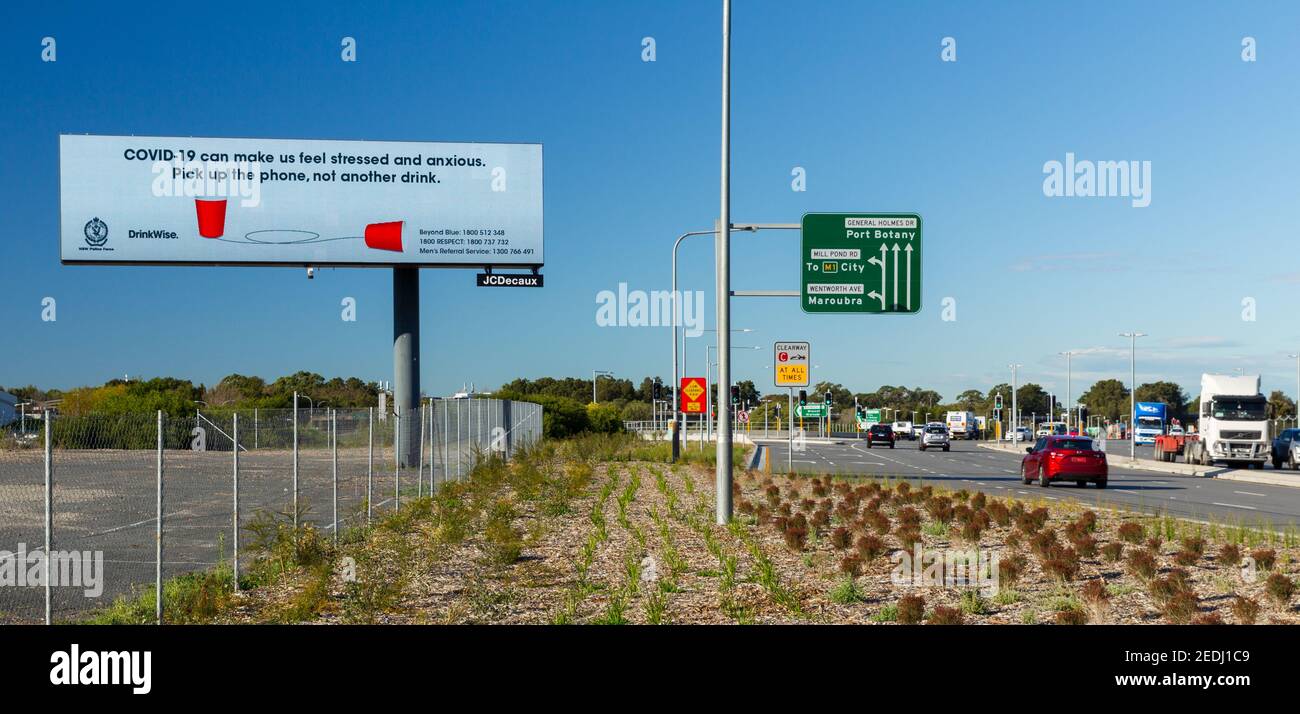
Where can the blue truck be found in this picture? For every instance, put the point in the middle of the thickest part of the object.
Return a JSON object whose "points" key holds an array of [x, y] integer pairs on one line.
{"points": [[1148, 422]]}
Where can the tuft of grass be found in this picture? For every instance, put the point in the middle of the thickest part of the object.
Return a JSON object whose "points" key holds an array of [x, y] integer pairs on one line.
{"points": [[1280, 589], [1130, 532], [943, 615], [846, 592], [1245, 610], [503, 542], [1073, 616], [972, 603], [192, 598], [910, 609], [1265, 558], [1141, 564]]}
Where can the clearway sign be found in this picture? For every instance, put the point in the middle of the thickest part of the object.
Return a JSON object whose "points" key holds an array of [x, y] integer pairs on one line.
{"points": [[790, 363]]}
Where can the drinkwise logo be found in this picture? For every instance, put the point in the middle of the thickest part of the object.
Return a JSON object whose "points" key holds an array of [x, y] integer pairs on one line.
{"points": [[74, 667]]}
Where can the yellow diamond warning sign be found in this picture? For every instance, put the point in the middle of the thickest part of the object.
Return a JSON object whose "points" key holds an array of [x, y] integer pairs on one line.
{"points": [[692, 390]]}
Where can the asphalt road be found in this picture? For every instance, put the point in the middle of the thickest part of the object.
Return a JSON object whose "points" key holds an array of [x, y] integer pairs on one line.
{"points": [[997, 473]]}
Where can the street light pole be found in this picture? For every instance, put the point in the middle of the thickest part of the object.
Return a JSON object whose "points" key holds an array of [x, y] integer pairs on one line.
{"points": [[1015, 406], [1132, 410], [594, 374], [1069, 390], [677, 315], [1296, 357]]}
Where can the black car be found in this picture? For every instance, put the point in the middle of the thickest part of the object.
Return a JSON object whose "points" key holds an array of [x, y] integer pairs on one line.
{"points": [[1282, 448], [882, 433]]}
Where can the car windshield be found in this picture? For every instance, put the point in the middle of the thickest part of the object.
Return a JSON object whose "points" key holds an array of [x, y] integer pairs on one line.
{"points": [[1148, 423], [1074, 444], [935, 430], [1240, 409]]}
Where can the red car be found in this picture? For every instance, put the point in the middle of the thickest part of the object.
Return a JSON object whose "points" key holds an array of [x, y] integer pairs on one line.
{"points": [[880, 433], [1064, 458]]}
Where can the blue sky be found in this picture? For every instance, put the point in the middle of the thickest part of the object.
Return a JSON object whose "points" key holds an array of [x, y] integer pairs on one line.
{"points": [[853, 92]]}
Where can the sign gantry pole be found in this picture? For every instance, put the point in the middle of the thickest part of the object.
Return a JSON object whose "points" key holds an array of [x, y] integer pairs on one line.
{"points": [[406, 358], [723, 474]]}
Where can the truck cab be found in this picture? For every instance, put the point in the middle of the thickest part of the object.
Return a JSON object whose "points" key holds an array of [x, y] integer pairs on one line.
{"points": [[1233, 424], [1148, 422]]}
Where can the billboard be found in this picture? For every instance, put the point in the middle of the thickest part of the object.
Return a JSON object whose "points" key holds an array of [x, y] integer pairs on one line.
{"points": [[207, 201]]}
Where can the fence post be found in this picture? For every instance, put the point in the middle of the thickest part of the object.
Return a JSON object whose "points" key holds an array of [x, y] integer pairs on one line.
{"points": [[49, 514], [370, 467], [254, 428], [397, 460], [295, 463], [433, 444], [446, 440], [235, 540], [459, 441], [419, 475], [158, 516], [334, 439]]}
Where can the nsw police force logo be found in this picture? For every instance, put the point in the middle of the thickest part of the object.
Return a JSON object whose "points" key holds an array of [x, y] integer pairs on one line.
{"points": [[96, 232]]}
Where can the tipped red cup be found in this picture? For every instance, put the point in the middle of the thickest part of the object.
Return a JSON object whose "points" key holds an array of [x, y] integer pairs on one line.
{"points": [[385, 236], [212, 216]]}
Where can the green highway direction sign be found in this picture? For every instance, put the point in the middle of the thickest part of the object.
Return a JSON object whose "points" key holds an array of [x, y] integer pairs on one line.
{"points": [[871, 416], [812, 410], [860, 263]]}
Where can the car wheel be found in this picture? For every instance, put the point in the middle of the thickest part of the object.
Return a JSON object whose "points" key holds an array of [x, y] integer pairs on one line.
{"points": [[1024, 476], [1101, 483], [1042, 477], [1277, 463], [945, 449], [922, 447], [1080, 484]]}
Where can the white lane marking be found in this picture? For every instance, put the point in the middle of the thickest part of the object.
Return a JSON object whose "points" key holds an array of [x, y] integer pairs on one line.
{"points": [[1125, 490], [1232, 505], [1251, 493]]}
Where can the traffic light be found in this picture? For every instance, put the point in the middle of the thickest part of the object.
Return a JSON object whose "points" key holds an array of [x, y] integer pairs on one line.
{"points": [[658, 390], [828, 397], [803, 397], [861, 413], [997, 401], [735, 394]]}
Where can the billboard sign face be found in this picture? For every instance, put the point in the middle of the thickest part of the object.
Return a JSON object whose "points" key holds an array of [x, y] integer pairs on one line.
{"points": [[203, 201]]}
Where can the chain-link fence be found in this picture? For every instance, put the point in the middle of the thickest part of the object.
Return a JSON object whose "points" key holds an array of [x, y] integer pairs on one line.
{"points": [[130, 500]]}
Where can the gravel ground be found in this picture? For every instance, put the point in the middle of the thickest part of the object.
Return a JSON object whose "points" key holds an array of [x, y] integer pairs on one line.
{"points": [[684, 579]]}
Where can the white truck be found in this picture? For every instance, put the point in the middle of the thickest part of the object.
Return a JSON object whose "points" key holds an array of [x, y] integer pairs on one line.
{"points": [[962, 425], [1233, 425]]}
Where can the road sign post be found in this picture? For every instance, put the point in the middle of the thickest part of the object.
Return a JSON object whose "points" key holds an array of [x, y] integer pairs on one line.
{"points": [[860, 263]]}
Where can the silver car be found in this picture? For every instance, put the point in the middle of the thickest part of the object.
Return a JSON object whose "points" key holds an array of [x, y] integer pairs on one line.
{"points": [[935, 436]]}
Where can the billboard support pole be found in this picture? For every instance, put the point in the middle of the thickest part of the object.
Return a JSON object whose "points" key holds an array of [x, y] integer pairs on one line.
{"points": [[406, 357]]}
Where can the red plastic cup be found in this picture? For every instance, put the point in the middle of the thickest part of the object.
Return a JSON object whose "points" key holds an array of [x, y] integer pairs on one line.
{"points": [[385, 236], [212, 216]]}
